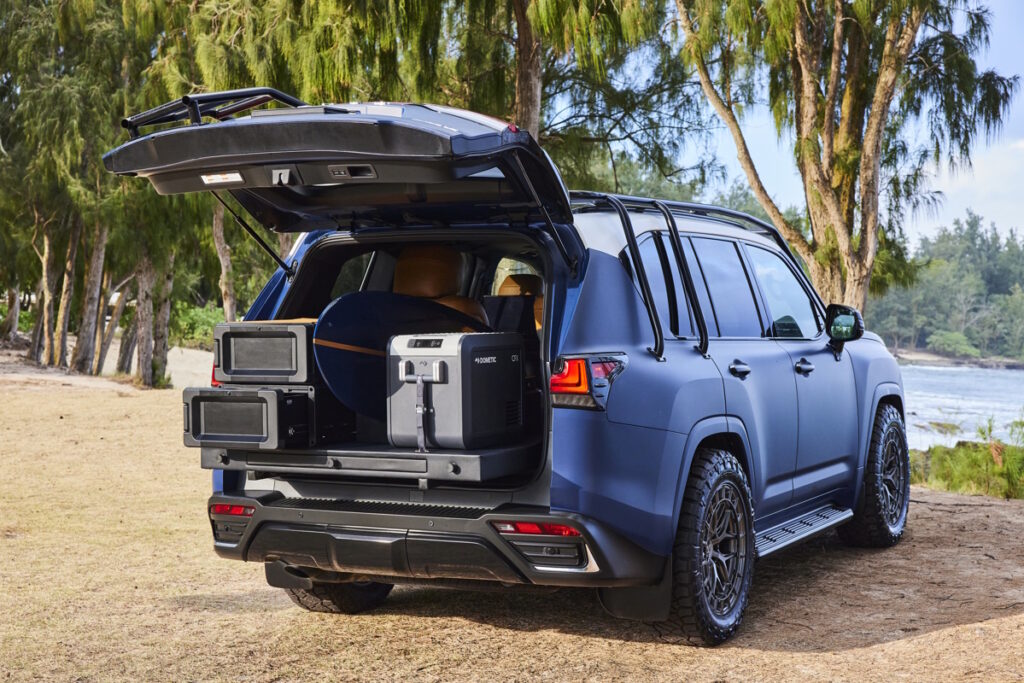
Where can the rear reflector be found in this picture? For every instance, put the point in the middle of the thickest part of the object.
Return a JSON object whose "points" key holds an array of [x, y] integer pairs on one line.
{"points": [[213, 377], [536, 528], [233, 510]]}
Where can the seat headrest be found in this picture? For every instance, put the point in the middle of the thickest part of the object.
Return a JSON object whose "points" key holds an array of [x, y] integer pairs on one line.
{"points": [[521, 284], [427, 271]]}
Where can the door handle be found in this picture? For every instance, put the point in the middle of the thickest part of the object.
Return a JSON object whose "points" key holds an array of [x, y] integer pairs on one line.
{"points": [[739, 368], [804, 366]]}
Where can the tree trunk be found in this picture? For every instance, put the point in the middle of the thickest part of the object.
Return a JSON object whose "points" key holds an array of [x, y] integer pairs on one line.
{"points": [[161, 322], [9, 327], [66, 292], [128, 342], [85, 347], [227, 289], [528, 71], [285, 241], [101, 322], [108, 333], [45, 302], [145, 277]]}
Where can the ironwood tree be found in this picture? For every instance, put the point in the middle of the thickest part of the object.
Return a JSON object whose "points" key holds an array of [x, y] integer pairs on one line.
{"points": [[850, 80]]}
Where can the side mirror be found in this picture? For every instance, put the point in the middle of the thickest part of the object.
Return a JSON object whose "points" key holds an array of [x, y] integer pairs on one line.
{"points": [[843, 323]]}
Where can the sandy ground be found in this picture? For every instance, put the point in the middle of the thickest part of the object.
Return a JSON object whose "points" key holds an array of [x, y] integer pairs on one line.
{"points": [[107, 573]]}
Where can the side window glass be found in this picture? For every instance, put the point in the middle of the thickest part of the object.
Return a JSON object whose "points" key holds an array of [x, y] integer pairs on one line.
{"points": [[650, 255], [350, 276], [702, 289], [729, 288], [509, 266], [791, 310], [682, 324]]}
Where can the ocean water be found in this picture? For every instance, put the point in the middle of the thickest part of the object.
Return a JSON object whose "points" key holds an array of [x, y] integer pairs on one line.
{"points": [[966, 397]]}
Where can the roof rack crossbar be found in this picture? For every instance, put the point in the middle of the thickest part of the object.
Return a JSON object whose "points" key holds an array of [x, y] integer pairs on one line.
{"points": [[219, 105]]}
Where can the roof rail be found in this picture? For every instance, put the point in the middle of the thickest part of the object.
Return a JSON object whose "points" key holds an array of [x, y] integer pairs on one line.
{"points": [[736, 218], [218, 105]]}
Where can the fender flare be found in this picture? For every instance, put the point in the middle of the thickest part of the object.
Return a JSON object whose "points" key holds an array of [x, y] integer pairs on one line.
{"points": [[882, 390], [709, 426]]}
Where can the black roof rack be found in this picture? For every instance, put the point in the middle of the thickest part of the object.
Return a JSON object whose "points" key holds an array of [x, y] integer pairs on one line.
{"points": [[217, 105], [736, 218]]}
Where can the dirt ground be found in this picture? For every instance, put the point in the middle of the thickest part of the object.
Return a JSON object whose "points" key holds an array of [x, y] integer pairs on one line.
{"points": [[107, 573]]}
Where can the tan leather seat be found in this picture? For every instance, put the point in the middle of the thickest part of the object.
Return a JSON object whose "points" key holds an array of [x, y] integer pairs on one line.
{"points": [[432, 272], [525, 284]]}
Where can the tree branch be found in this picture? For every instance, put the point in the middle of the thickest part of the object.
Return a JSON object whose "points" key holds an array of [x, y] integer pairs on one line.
{"points": [[899, 41], [832, 92], [728, 116]]}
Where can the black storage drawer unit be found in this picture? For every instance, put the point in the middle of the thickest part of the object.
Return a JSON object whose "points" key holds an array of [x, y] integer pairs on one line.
{"points": [[264, 352], [264, 418]]}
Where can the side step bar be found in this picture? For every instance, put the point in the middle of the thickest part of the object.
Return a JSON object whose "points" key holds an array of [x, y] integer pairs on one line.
{"points": [[811, 524]]}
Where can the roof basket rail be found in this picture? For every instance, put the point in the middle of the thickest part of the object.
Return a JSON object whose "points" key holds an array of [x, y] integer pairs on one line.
{"points": [[736, 218], [217, 105]]}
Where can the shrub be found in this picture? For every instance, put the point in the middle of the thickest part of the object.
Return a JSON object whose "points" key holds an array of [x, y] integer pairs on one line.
{"points": [[992, 468], [952, 343], [192, 326]]}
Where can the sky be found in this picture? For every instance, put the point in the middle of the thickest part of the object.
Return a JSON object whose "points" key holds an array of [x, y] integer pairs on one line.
{"points": [[993, 188]]}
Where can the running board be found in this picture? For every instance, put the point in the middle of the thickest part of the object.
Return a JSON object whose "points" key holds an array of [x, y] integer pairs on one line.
{"points": [[810, 524]]}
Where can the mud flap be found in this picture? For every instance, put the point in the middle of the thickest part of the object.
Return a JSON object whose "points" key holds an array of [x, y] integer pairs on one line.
{"points": [[640, 603], [280, 575]]}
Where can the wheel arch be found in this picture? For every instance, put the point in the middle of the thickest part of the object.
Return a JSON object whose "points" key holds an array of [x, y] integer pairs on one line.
{"points": [[717, 431]]}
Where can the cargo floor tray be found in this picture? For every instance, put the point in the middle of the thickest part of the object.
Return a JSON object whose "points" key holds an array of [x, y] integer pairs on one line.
{"points": [[380, 460]]}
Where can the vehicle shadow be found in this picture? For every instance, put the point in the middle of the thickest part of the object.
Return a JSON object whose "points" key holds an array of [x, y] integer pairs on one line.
{"points": [[960, 563]]}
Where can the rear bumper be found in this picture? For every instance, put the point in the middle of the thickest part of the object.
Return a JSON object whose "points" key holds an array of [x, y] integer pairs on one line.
{"points": [[355, 540]]}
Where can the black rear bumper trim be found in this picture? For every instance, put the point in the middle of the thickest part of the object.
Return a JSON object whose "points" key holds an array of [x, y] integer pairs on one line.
{"points": [[416, 541]]}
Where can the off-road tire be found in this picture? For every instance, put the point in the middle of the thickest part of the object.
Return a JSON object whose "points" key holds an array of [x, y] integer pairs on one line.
{"points": [[877, 523], [692, 614], [340, 598]]}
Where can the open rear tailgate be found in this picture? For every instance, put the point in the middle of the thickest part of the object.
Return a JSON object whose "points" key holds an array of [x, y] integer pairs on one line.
{"points": [[305, 167]]}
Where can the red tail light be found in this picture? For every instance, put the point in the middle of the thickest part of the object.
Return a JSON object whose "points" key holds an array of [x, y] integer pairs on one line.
{"points": [[213, 377], [585, 382], [572, 378], [535, 528], [232, 510]]}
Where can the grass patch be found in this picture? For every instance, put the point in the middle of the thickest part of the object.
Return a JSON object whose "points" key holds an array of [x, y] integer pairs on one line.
{"points": [[992, 469]]}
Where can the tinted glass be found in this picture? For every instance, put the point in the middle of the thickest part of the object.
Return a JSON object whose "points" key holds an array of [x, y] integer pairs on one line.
{"points": [[682, 318], [791, 309], [702, 290], [730, 290], [651, 257]]}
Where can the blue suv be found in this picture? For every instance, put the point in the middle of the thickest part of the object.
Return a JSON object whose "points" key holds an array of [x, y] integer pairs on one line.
{"points": [[676, 400]]}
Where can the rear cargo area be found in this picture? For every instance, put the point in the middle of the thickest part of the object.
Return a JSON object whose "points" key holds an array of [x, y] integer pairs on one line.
{"points": [[399, 359]]}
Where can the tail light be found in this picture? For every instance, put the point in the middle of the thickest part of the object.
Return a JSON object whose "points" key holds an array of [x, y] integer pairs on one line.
{"points": [[584, 382], [213, 376]]}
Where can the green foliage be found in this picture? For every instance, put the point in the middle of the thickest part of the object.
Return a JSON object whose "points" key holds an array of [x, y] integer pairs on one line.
{"points": [[192, 326], [967, 295], [952, 344], [992, 468]]}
